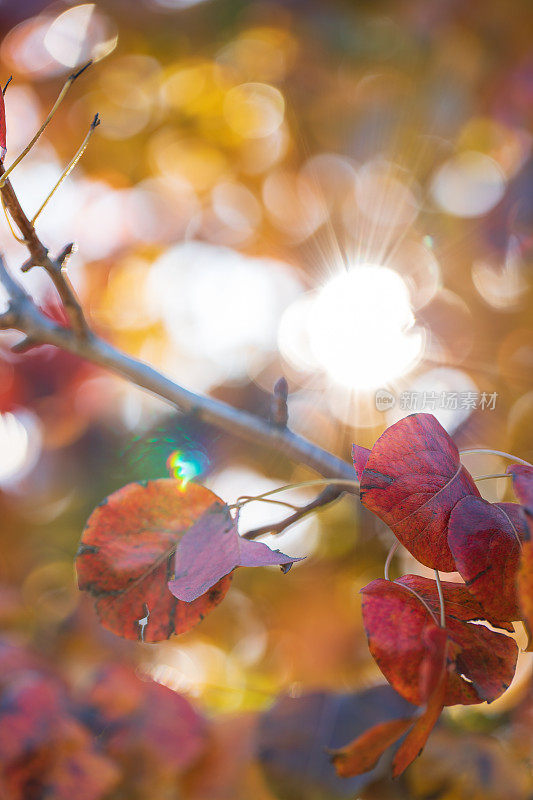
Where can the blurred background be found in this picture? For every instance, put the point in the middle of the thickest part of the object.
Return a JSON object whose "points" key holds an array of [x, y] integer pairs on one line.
{"points": [[336, 192]]}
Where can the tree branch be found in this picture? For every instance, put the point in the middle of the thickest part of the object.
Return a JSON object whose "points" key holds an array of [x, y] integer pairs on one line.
{"points": [[23, 315], [27, 318]]}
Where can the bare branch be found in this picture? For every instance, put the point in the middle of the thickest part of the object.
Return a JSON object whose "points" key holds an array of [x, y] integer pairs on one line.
{"points": [[39, 258], [26, 317], [329, 495]]}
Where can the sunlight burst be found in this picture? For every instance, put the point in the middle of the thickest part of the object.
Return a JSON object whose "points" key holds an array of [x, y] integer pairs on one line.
{"points": [[361, 329]]}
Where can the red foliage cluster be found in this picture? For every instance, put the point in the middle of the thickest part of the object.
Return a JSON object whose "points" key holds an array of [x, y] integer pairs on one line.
{"points": [[431, 652]]}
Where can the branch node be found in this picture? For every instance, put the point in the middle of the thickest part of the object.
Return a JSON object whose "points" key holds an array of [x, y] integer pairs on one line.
{"points": [[62, 257], [27, 265], [77, 74], [280, 411]]}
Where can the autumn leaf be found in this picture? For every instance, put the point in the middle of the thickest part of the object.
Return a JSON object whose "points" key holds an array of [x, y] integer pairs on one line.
{"points": [[525, 588], [363, 753], [485, 541], [433, 678], [459, 603], [297, 736], [131, 549], [126, 558], [3, 145], [482, 662], [212, 548], [412, 480], [144, 722], [523, 487], [523, 484], [360, 457]]}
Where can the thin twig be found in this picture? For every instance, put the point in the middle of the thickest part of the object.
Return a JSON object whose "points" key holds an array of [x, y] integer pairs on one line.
{"points": [[68, 83], [329, 495], [66, 172]]}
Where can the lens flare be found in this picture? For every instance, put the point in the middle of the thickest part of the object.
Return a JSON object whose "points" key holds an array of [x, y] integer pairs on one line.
{"points": [[359, 329], [183, 468]]}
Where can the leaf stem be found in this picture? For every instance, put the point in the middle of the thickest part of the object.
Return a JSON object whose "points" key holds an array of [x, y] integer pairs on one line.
{"points": [[441, 600], [315, 482], [390, 556], [249, 498], [501, 453], [495, 475]]}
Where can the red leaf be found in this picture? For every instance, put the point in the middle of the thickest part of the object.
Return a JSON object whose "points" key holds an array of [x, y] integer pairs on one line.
{"points": [[434, 683], [126, 558], [482, 656], [137, 540], [360, 457], [482, 661], [145, 721], [364, 752], [412, 480], [459, 602], [3, 145], [394, 621], [523, 487], [523, 484], [212, 548], [485, 544], [525, 588]]}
